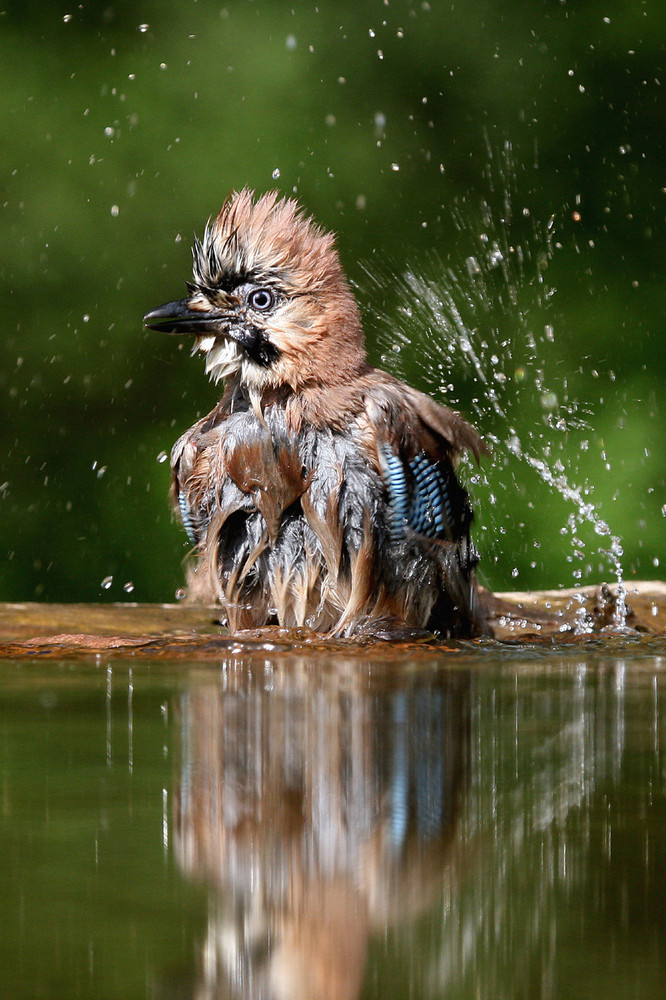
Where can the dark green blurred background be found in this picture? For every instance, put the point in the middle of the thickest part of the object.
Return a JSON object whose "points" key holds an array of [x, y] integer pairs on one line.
{"points": [[423, 134]]}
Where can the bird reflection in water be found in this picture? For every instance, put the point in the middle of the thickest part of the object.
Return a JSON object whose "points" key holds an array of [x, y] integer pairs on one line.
{"points": [[318, 809]]}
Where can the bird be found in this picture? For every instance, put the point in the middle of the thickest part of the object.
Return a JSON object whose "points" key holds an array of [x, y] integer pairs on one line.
{"points": [[320, 492]]}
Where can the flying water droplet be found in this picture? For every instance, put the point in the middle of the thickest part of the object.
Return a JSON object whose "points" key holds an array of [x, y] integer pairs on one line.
{"points": [[106, 582], [549, 401]]}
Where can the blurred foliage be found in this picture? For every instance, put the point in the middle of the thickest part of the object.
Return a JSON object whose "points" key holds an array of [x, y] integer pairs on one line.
{"points": [[414, 130]]}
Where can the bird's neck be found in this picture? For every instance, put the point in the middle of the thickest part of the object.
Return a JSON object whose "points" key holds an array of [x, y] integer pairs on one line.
{"points": [[331, 402]]}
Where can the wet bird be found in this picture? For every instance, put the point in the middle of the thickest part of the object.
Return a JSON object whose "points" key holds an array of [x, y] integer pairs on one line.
{"points": [[320, 491]]}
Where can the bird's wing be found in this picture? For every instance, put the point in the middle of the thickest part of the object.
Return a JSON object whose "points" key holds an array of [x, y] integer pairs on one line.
{"points": [[452, 432], [418, 444], [425, 496], [186, 462]]}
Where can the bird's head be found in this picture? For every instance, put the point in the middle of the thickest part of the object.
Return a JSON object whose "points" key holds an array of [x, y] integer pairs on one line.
{"points": [[269, 303]]}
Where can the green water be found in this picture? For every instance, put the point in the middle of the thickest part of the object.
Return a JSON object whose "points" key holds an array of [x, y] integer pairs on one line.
{"points": [[453, 826]]}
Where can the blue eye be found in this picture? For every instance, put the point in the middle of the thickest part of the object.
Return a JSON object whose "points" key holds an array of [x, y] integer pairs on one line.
{"points": [[261, 299]]}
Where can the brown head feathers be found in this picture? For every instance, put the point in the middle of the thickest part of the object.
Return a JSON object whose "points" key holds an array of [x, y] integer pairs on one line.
{"points": [[269, 239]]}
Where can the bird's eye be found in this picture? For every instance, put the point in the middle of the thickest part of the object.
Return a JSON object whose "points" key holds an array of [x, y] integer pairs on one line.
{"points": [[261, 299]]}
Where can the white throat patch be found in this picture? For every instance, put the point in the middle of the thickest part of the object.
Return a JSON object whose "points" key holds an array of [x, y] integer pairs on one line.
{"points": [[223, 356]]}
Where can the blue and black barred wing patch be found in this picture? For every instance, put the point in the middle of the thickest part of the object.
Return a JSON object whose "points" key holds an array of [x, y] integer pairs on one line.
{"points": [[186, 517], [426, 497], [395, 480], [431, 513]]}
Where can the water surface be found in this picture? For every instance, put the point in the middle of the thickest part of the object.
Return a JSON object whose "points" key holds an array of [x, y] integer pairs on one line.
{"points": [[472, 824]]}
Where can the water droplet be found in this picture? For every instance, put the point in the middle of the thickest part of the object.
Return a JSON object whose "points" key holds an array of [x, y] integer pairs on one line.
{"points": [[106, 582], [515, 572], [395, 167], [181, 594], [276, 173], [100, 472], [109, 132], [143, 28], [67, 18], [128, 587], [115, 211], [162, 457], [290, 43]]}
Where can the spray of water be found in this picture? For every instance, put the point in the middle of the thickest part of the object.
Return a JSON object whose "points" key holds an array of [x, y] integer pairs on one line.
{"points": [[488, 319]]}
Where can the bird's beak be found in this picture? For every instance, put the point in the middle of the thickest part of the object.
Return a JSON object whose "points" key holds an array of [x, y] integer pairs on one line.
{"points": [[179, 317]]}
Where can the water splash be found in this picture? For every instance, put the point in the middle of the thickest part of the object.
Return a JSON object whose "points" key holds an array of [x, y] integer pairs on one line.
{"points": [[489, 319]]}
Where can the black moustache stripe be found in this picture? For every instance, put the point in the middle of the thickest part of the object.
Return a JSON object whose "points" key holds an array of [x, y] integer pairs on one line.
{"points": [[259, 348]]}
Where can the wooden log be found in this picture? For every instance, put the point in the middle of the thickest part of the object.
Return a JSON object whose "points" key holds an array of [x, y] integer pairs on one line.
{"points": [[190, 631]]}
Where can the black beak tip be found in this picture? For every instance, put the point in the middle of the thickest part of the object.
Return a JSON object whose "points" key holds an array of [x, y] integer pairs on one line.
{"points": [[149, 319], [154, 321], [173, 317]]}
